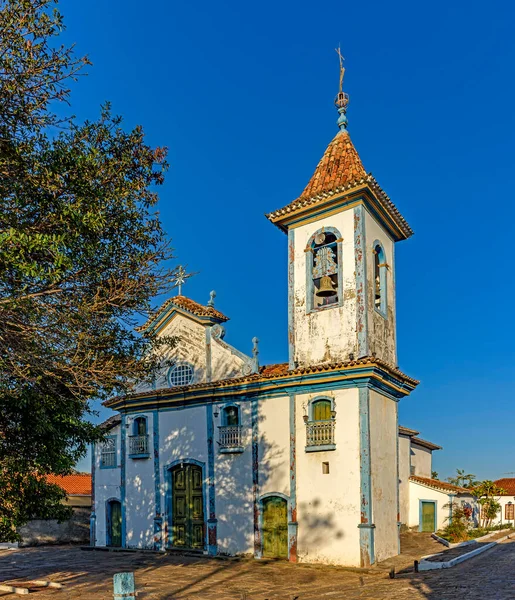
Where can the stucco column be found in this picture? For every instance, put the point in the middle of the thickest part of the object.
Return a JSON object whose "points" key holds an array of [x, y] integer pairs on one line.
{"points": [[366, 526]]}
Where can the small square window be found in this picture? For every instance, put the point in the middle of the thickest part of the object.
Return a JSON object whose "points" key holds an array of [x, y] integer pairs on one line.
{"points": [[325, 468]]}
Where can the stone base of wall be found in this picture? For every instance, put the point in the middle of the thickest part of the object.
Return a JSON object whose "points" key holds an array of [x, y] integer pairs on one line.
{"points": [[39, 532]]}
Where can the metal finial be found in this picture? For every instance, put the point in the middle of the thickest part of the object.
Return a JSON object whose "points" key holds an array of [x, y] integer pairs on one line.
{"points": [[212, 296], [342, 99], [180, 278]]}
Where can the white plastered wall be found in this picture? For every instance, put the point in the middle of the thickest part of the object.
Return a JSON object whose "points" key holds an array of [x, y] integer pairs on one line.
{"points": [[274, 445], [325, 336], [234, 493], [328, 510], [224, 363], [182, 436], [381, 331], [107, 486], [383, 461], [421, 460], [139, 490], [404, 475]]}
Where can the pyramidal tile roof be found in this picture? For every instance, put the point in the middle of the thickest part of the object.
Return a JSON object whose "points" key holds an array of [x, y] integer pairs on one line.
{"points": [[339, 172], [339, 166]]}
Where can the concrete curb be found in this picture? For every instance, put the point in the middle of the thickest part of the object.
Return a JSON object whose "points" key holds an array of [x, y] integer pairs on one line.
{"points": [[426, 565], [468, 542]]}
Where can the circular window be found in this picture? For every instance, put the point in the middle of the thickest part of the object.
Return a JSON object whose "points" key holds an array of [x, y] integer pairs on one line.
{"points": [[181, 375]]}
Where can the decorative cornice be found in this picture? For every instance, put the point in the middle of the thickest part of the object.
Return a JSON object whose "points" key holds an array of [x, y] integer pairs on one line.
{"points": [[299, 206], [368, 371]]}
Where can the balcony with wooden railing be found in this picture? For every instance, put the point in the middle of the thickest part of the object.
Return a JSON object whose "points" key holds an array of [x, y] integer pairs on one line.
{"points": [[230, 439], [138, 446], [320, 435]]}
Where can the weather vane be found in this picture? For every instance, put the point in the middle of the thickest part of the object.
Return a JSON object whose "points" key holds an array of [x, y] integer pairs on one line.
{"points": [[180, 278], [342, 68], [342, 99]]}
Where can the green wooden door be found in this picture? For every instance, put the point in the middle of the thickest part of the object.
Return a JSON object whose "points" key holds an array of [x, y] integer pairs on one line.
{"points": [[428, 517], [275, 527], [187, 507], [115, 524]]}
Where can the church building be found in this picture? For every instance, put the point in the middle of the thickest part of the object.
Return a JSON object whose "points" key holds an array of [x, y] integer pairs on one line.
{"points": [[300, 460]]}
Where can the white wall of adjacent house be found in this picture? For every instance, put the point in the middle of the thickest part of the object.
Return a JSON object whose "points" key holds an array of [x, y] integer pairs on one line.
{"points": [[328, 504], [419, 493], [107, 486], [404, 475], [383, 458], [421, 460], [503, 514]]}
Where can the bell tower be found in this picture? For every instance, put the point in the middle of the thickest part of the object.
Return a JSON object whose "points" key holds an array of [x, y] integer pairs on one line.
{"points": [[341, 232]]}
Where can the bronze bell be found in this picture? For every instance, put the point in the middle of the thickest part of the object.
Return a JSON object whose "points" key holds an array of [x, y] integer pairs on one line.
{"points": [[326, 288]]}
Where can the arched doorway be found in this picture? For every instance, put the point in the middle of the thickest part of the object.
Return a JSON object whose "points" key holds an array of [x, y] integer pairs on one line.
{"points": [[114, 523], [275, 527], [187, 507]]}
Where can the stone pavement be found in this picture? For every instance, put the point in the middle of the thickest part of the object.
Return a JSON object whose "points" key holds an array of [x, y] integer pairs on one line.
{"points": [[162, 577]]}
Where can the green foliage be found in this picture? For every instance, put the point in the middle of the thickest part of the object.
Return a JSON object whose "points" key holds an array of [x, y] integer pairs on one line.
{"points": [[81, 255], [485, 493], [462, 479], [458, 523]]}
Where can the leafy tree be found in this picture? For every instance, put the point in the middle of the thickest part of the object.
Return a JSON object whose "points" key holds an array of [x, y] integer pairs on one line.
{"points": [[81, 255], [486, 492], [463, 479]]}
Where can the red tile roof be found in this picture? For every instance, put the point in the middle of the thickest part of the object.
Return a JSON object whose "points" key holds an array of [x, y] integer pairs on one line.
{"points": [[507, 484], [78, 484], [270, 372], [340, 171], [339, 166], [439, 485], [188, 305]]}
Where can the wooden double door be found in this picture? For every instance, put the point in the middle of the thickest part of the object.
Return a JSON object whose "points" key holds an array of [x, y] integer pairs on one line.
{"points": [[188, 528]]}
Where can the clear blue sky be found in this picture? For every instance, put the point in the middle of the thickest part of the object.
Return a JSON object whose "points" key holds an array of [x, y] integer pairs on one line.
{"points": [[242, 94]]}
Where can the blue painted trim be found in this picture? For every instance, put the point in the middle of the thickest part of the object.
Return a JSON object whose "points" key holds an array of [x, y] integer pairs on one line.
{"points": [[141, 456], [167, 478], [212, 521], [223, 418], [291, 299], [157, 483], [208, 354], [420, 513], [383, 280], [360, 265], [366, 536], [255, 477], [292, 523], [115, 466], [340, 205], [233, 450], [108, 518], [322, 448], [393, 302], [180, 363], [134, 424], [372, 376], [123, 483], [310, 290], [316, 399]]}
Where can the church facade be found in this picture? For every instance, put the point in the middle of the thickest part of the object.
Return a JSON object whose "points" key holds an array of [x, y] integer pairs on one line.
{"points": [[298, 460]]}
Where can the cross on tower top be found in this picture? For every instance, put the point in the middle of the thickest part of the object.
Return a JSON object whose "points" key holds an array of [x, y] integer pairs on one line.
{"points": [[180, 279]]}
